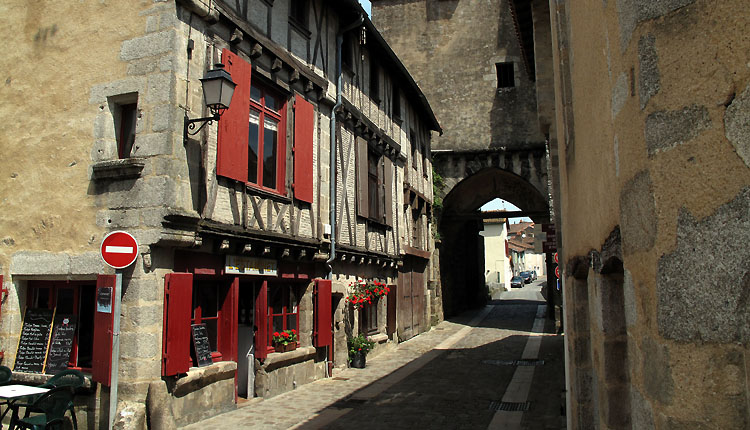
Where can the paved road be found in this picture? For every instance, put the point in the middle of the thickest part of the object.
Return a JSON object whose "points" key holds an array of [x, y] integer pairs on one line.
{"points": [[455, 376]]}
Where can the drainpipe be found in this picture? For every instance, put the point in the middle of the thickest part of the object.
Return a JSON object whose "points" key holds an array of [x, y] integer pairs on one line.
{"points": [[332, 208]]}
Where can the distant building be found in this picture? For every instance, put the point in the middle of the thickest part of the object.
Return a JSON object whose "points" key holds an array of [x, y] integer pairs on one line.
{"points": [[497, 264], [521, 243]]}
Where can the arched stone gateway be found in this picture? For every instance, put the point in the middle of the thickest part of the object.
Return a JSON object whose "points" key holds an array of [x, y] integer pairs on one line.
{"points": [[471, 179]]}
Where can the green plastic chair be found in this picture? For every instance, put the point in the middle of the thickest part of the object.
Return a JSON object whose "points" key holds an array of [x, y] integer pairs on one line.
{"points": [[49, 410], [5, 375], [69, 378]]}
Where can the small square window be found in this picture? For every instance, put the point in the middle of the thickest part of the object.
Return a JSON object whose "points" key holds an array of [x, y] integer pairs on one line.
{"points": [[298, 12], [505, 75]]}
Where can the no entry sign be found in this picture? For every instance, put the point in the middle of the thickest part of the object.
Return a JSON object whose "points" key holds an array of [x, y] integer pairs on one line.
{"points": [[119, 249]]}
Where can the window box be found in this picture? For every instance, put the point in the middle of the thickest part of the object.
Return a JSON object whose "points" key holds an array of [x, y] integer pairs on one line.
{"points": [[285, 348]]}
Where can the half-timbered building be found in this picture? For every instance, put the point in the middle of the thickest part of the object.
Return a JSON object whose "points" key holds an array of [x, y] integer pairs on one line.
{"points": [[318, 174]]}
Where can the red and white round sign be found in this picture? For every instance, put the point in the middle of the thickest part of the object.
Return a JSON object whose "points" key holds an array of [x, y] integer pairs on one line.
{"points": [[556, 258], [557, 272], [119, 249]]}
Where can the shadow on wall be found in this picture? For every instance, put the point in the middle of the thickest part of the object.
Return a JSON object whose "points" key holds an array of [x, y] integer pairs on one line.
{"points": [[440, 9]]}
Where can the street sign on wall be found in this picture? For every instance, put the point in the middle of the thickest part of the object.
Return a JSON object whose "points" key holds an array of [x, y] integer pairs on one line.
{"points": [[119, 249]]}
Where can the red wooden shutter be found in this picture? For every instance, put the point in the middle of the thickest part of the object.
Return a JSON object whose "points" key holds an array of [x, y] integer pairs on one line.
{"points": [[281, 152], [304, 123], [261, 321], [2, 297], [228, 322], [101, 360], [231, 157], [323, 326], [388, 191], [178, 306], [363, 199]]}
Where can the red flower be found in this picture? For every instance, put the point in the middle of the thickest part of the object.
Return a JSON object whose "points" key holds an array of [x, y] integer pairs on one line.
{"points": [[276, 334], [294, 331], [285, 334]]}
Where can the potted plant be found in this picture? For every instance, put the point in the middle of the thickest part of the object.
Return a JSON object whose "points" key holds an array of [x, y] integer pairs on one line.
{"points": [[285, 340], [362, 292], [359, 346]]}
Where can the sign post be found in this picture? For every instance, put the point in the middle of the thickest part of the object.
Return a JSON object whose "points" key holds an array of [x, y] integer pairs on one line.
{"points": [[119, 249]]}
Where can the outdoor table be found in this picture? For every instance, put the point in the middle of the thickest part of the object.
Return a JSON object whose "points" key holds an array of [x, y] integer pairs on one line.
{"points": [[13, 393]]}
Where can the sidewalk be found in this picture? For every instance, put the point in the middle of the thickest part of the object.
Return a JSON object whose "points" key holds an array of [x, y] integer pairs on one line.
{"points": [[294, 407]]}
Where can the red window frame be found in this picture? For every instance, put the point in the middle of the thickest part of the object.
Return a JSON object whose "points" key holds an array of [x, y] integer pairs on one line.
{"points": [[286, 310], [223, 315], [201, 314], [261, 108], [53, 288]]}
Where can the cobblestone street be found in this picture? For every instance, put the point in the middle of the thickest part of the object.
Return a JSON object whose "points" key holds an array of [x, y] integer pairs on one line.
{"points": [[452, 377]]}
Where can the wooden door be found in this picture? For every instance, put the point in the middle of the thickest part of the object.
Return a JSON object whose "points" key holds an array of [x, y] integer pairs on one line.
{"points": [[404, 296]]}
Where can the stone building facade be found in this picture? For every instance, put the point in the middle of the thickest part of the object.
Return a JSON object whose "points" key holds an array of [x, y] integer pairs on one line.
{"points": [[256, 223], [483, 84], [654, 174]]}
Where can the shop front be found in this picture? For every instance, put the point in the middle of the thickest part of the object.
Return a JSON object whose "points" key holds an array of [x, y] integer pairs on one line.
{"points": [[243, 302]]}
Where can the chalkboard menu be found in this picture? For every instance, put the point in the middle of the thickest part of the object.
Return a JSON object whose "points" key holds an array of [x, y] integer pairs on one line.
{"points": [[63, 332], [32, 347], [201, 345]]}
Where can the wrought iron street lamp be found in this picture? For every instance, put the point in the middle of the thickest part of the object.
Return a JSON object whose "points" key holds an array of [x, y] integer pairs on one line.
{"points": [[218, 88]]}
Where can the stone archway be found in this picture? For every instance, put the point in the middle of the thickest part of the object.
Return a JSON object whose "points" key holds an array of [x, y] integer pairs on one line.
{"points": [[471, 180]]}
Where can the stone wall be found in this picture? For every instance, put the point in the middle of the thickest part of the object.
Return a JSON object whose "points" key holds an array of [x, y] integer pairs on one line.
{"points": [[652, 124], [454, 64]]}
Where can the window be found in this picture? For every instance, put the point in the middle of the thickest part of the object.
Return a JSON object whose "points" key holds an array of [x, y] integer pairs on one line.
{"points": [[251, 144], [505, 75], [374, 184], [265, 145], [416, 227], [347, 52], [283, 310], [298, 12], [414, 152], [206, 310], [396, 103], [374, 81], [368, 318], [124, 109], [70, 298], [374, 179]]}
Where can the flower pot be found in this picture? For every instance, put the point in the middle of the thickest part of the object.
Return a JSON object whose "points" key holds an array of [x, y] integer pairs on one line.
{"points": [[280, 347], [359, 360]]}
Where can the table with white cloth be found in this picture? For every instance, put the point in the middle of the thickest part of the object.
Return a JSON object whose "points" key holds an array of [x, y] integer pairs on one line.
{"points": [[13, 393]]}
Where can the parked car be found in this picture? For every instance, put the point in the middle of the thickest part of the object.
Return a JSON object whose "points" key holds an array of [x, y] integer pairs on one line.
{"points": [[526, 277], [516, 282]]}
